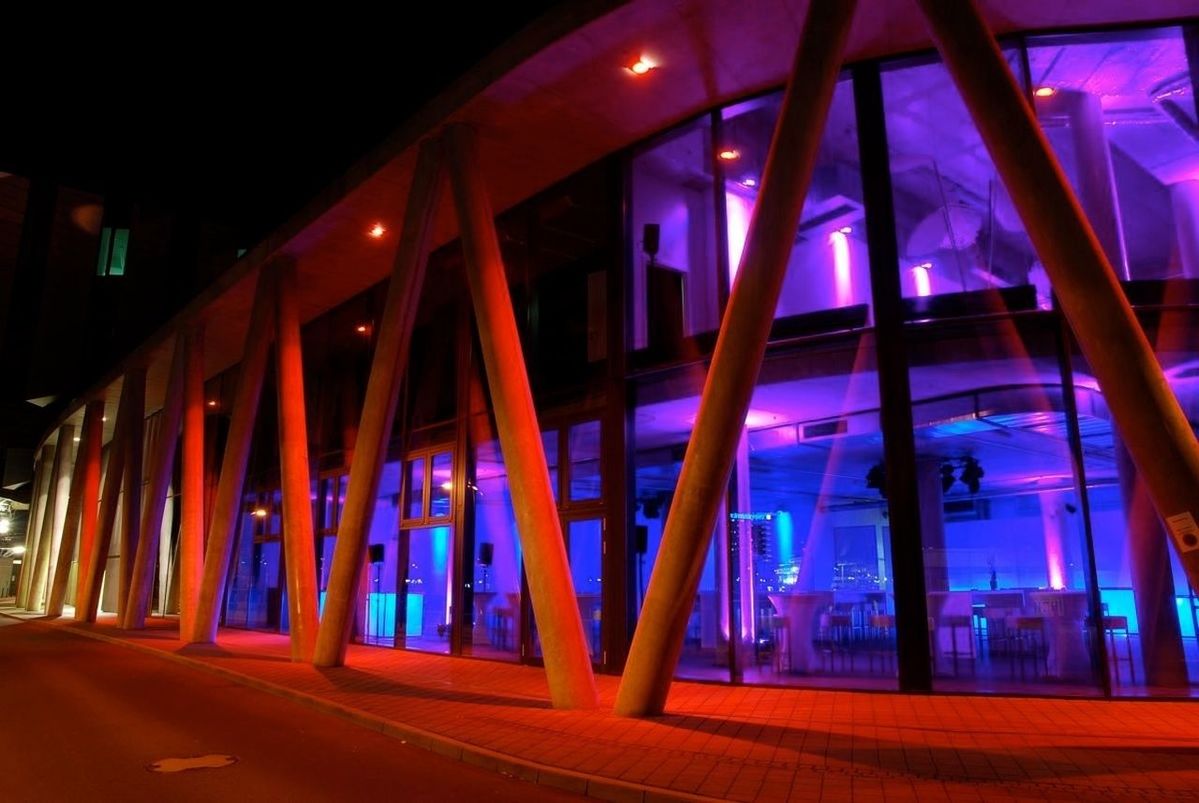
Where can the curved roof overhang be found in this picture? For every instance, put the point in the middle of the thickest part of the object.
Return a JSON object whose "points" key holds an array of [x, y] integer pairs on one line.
{"points": [[552, 100]]}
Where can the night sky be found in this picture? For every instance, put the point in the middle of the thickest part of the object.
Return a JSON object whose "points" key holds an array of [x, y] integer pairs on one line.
{"points": [[242, 118]]}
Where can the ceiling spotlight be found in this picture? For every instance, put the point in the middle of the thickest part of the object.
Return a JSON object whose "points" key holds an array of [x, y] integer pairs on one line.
{"points": [[846, 230], [104, 418], [1044, 92], [641, 66], [260, 512], [377, 230], [876, 478], [750, 182], [729, 154], [212, 402], [972, 474]]}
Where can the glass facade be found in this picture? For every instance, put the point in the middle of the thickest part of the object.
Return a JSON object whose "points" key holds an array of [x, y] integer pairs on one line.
{"points": [[1045, 569]]}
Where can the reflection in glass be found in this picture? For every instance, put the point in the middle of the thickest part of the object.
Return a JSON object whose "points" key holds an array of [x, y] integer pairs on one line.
{"points": [[442, 485], [1119, 110], [674, 283], [828, 268], [584, 449], [497, 558], [414, 488], [957, 230], [425, 612], [377, 618]]}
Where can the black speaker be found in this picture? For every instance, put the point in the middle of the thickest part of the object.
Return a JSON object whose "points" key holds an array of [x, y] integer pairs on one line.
{"points": [[641, 539], [376, 553], [650, 236], [486, 553]]}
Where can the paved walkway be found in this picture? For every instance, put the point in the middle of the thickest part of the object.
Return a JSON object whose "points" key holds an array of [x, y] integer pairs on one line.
{"points": [[724, 742]]}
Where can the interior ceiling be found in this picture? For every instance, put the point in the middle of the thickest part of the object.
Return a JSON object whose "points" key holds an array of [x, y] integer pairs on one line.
{"points": [[567, 104]]}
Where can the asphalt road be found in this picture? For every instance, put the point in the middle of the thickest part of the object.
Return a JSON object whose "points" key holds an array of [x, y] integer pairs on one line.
{"points": [[81, 721]]}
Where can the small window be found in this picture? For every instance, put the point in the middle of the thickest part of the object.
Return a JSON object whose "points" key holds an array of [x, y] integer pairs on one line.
{"points": [[114, 246]]}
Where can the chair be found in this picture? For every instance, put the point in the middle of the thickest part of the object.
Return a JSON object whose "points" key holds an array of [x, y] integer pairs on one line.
{"points": [[1030, 646], [836, 633], [1113, 625], [881, 641], [964, 650]]}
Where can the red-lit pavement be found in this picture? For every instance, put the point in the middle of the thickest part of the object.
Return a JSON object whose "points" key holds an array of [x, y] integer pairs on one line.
{"points": [[741, 743], [83, 720]]}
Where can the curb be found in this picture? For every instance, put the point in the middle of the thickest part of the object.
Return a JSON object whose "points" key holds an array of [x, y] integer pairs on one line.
{"points": [[556, 777]]}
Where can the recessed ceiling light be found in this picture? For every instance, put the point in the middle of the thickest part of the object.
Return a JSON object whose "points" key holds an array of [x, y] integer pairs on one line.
{"points": [[362, 329], [260, 512], [641, 66], [1045, 92], [729, 154], [749, 182], [377, 230], [212, 402]]}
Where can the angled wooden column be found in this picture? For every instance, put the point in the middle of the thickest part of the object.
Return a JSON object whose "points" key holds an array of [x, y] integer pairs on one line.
{"points": [[1153, 427], [551, 590], [79, 528], [162, 465], [228, 504], [190, 563], [56, 505], [41, 503], [130, 410], [740, 347], [378, 410], [299, 550]]}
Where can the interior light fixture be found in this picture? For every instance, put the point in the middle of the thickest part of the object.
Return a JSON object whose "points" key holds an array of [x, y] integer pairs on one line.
{"points": [[846, 229], [19, 549], [750, 182], [1045, 92], [876, 478], [377, 230], [641, 66], [260, 512], [212, 402], [448, 485], [5, 525], [362, 329], [76, 439], [729, 154]]}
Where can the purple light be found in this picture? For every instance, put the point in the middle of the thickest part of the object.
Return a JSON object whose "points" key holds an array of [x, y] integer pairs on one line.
{"points": [[738, 210], [922, 275], [842, 274]]}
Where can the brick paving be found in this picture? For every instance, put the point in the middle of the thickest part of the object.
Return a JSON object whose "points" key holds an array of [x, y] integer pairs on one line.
{"points": [[734, 743]]}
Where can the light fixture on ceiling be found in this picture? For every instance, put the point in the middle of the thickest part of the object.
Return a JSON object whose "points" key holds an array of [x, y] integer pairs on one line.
{"points": [[377, 230], [1045, 91], [642, 66], [749, 181], [876, 478], [728, 154], [260, 512], [212, 402]]}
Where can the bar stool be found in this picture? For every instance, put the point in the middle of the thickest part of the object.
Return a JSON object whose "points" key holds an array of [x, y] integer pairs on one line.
{"points": [[954, 623], [882, 641], [1113, 625], [782, 643], [838, 631], [1029, 642]]}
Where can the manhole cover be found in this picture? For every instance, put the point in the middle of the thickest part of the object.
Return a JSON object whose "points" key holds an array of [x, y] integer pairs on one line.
{"points": [[214, 761]]}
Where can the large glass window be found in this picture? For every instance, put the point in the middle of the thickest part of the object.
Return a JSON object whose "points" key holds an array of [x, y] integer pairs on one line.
{"points": [[1149, 610], [1003, 532], [674, 287], [1119, 110], [962, 248], [828, 267]]}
